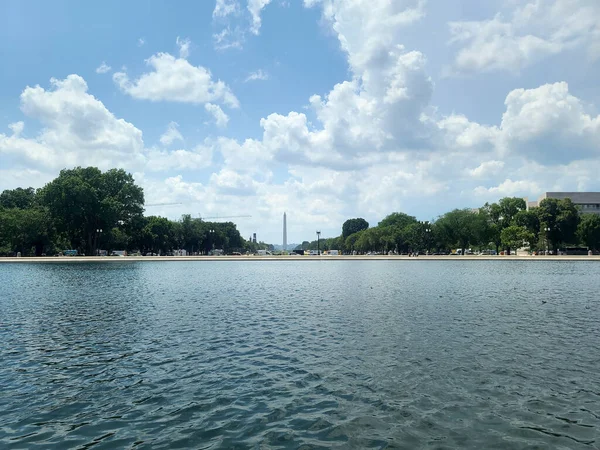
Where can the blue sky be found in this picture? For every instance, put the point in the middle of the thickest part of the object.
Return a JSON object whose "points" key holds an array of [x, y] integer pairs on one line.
{"points": [[326, 109]]}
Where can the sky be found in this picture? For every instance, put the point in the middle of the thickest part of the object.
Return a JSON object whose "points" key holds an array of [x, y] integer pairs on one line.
{"points": [[325, 109]]}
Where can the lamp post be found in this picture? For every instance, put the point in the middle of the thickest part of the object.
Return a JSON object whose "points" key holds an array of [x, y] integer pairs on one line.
{"points": [[547, 230], [427, 241], [211, 233], [98, 233], [318, 236]]}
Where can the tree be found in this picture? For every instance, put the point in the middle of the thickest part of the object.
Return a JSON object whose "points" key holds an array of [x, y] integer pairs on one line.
{"points": [[530, 221], [18, 198], [397, 219], [509, 207], [462, 227], [350, 242], [25, 231], [158, 235], [82, 200], [561, 217], [588, 231], [500, 216], [514, 237], [352, 226]]}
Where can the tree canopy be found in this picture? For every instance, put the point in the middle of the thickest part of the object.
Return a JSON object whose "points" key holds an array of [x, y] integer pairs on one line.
{"points": [[70, 211]]}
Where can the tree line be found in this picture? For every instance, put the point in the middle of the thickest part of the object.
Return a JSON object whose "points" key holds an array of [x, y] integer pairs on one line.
{"points": [[87, 210], [503, 226]]}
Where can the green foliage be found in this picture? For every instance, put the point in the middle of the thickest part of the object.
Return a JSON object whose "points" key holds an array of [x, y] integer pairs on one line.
{"points": [[18, 198], [463, 228], [514, 237], [588, 231], [68, 212], [398, 220], [352, 226], [83, 200], [562, 217]]}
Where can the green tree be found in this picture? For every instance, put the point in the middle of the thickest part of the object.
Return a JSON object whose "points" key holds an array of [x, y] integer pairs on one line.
{"points": [[158, 235], [350, 241], [397, 219], [588, 231], [82, 200], [514, 237], [462, 227], [18, 198], [561, 217], [352, 226], [25, 231], [530, 221]]}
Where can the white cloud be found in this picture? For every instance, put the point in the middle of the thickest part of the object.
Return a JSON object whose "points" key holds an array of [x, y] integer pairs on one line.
{"points": [[381, 109], [487, 168], [255, 7], [549, 125], [171, 135], [229, 182], [17, 128], [258, 75], [77, 129], [103, 68], [141, 42], [175, 79], [224, 8], [250, 156], [162, 161], [228, 38], [537, 29], [184, 47], [462, 134], [221, 119], [510, 188]]}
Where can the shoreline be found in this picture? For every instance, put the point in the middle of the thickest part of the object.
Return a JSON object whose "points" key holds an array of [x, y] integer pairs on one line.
{"points": [[116, 259]]}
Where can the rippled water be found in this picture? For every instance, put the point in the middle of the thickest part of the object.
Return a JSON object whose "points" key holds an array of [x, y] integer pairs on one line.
{"points": [[303, 354]]}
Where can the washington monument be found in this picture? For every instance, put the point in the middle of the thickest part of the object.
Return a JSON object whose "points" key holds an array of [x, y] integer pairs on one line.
{"points": [[284, 233]]}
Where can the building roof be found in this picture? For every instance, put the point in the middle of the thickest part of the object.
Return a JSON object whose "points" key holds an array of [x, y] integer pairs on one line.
{"points": [[576, 197]]}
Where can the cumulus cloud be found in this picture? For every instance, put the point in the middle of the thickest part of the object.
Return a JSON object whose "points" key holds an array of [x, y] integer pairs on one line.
{"points": [[221, 119], [371, 144], [175, 79], [229, 182], [534, 31], [381, 109], [487, 168], [77, 129], [549, 125], [162, 161], [510, 188], [171, 135], [103, 68]]}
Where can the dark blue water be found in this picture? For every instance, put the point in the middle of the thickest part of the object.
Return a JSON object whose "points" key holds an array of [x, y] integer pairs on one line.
{"points": [[303, 354]]}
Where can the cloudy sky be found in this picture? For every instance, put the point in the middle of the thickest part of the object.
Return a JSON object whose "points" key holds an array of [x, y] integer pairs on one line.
{"points": [[326, 109]]}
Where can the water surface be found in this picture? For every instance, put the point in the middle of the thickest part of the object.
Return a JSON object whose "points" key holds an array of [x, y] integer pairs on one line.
{"points": [[300, 354]]}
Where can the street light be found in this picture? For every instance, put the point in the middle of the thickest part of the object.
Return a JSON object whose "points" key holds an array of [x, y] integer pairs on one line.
{"points": [[211, 234], [318, 236], [547, 230], [426, 230], [98, 233]]}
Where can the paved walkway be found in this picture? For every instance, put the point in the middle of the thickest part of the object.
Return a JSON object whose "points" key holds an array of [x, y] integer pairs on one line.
{"points": [[109, 259]]}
